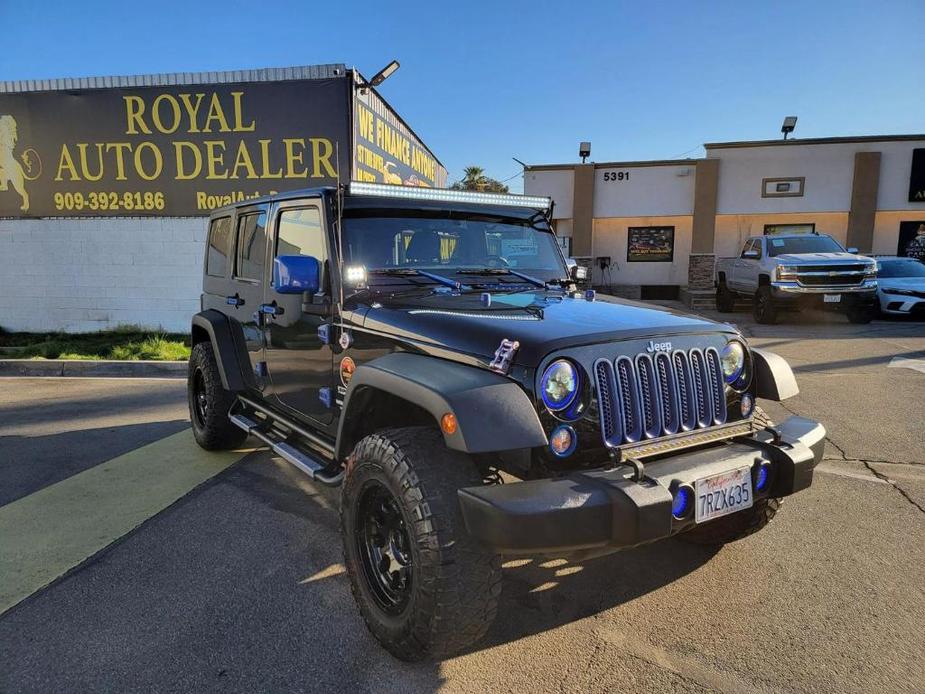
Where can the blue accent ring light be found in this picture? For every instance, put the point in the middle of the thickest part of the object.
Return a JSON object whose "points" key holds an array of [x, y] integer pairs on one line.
{"points": [[762, 475], [560, 385], [683, 502]]}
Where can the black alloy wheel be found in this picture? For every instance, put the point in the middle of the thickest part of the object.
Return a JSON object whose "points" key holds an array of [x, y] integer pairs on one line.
{"points": [[209, 402], [200, 399], [763, 308], [384, 547]]}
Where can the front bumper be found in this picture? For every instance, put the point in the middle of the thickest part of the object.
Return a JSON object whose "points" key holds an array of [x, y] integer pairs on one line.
{"points": [[787, 289], [606, 509]]}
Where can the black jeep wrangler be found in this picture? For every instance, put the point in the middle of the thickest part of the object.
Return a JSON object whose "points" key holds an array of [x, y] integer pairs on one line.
{"points": [[430, 352]]}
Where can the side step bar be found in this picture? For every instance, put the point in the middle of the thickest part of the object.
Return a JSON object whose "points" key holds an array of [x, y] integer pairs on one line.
{"points": [[311, 466]]}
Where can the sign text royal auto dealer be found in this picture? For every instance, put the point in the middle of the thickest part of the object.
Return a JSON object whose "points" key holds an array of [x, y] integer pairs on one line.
{"points": [[184, 150]]}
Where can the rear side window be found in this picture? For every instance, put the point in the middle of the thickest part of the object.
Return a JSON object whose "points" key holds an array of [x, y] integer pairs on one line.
{"points": [[252, 246], [219, 247]]}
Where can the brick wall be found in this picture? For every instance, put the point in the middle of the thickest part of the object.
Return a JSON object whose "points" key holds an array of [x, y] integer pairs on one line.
{"points": [[80, 275]]}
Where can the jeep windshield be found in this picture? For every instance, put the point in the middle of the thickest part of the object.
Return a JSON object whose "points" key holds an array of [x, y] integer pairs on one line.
{"points": [[458, 245], [803, 244]]}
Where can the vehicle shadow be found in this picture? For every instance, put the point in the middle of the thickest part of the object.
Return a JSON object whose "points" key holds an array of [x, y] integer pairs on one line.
{"points": [[542, 593]]}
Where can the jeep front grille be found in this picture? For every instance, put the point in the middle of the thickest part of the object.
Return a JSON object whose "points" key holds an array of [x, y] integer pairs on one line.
{"points": [[653, 396]]}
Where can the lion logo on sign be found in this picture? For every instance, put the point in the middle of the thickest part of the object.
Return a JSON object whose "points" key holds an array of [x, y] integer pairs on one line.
{"points": [[15, 171]]}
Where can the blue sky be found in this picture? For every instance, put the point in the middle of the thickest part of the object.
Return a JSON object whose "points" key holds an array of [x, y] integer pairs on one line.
{"points": [[483, 82]]}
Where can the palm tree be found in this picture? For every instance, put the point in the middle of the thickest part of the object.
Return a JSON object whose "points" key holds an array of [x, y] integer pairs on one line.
{"points": [[475, 178]]}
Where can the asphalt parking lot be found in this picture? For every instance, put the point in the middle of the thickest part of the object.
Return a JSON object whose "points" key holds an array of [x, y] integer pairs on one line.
{"points": [[131, 561]]}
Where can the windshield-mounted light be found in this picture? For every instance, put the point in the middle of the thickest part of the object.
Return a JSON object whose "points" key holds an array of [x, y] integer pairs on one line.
{"points": [[355, 275], [444, 195]]}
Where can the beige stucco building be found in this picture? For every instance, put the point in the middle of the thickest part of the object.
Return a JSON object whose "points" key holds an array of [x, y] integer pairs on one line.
{"points": [[663, 223]]}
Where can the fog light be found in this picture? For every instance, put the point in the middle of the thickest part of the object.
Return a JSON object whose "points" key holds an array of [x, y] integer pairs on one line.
{"points": [[747, 404], [562, 441], [683, 496], [761, 477]]}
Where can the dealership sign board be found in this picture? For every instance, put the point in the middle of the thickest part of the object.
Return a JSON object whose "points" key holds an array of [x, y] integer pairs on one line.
{"points": [[185, 150], [650, 244], [917, 176]]}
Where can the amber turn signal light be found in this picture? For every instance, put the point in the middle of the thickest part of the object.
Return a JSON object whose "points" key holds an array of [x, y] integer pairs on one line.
{"points": [[449, 424]]}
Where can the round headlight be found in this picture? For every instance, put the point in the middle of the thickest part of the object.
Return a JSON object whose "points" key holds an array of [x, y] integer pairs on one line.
{"points": [[559, 385], [732, 359]]}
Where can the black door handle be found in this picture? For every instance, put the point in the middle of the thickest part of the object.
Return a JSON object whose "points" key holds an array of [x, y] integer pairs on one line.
{"points": [[235, 300], [271, 309]]}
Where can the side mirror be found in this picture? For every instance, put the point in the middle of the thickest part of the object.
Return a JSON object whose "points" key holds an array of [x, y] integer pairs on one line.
{"points": [[751, 255], [296, 274], [576, 271], [852, 249]]}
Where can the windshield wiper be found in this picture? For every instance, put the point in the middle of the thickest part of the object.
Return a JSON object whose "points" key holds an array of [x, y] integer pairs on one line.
{"points": [[504, 271], [414, 272]]}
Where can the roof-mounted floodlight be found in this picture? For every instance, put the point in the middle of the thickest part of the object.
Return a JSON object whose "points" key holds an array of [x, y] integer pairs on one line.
{"points": [[790, 122], [384, 73], [584, 151], [443, 195]]}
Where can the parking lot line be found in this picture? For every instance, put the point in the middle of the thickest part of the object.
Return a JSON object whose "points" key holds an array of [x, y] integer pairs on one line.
{"points": [[54, 529]]}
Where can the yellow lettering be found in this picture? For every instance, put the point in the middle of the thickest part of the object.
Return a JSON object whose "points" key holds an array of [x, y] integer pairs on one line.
{"points": [[182, 173], [84, 164], [156, 113], [366, 123], [265, 161], [192, 110], [158, 161], [243, 160], [239, 127], [213, 158], [217, 114], [65, 162], [293, 157], [322, 149], [134, 110], [120, 148]]}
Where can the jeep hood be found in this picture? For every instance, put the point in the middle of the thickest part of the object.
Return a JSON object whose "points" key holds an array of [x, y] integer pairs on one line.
{"points": [[542, 322]]}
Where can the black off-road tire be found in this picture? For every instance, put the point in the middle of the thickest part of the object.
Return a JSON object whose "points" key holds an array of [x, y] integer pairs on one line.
{"points": [[454, 583], [725, 298], [209, 403], [763, 308], [861, 314]]}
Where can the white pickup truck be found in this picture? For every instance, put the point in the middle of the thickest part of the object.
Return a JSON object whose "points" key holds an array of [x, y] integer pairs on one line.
{"points": [[793, 271]]}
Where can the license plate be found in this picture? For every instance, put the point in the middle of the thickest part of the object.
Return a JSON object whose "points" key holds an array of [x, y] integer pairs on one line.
{"points": [[831, 298], [723, 494]]}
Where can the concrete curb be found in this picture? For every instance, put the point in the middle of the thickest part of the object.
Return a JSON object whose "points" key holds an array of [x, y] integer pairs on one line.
{"points": [[107, 368]]}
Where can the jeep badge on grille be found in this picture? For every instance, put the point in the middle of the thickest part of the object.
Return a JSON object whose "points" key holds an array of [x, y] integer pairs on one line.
{"points": [[654, 346]]}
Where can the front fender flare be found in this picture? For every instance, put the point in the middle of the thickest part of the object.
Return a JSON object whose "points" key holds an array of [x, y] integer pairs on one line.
{"points": [[493, 412], [774, 377]]}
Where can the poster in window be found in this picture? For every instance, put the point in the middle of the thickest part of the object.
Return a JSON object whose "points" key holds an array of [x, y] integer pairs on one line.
{"points": [[650, 244], [911, 240]]}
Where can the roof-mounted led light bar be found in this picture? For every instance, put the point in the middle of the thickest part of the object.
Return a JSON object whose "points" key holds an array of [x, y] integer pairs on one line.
{"points": [[441, 194]]}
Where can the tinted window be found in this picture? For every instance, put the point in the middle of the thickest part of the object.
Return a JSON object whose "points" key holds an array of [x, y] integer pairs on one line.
{"points": [[252, 246], [219, 247], [900, 268], [803, 244]]}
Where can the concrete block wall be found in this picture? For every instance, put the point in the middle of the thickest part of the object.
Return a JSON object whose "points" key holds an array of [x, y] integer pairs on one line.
{"points": [[82, 275]]}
